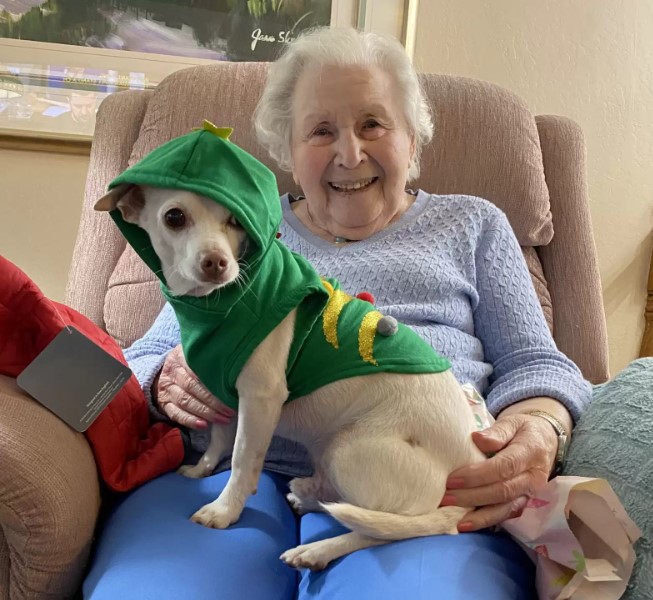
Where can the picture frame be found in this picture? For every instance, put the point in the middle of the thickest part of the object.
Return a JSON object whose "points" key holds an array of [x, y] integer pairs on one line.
{"points": [[50, 92]]}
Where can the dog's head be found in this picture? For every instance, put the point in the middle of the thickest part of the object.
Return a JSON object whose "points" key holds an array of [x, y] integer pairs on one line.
{"points": [[198, 241]]}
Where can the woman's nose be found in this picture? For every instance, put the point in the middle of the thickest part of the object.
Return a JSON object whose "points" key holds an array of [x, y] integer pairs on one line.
{"points": [[349, 150]]}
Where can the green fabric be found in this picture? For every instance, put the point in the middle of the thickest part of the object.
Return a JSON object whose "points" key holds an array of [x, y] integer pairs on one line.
{"points": [[219, 332], [320, 363]]}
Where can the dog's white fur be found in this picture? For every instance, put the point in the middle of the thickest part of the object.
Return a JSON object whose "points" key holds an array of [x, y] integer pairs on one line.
{"points": [[382, 445]]}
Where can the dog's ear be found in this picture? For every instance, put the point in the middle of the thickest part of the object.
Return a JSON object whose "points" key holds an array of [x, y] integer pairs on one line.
{"points": [[127, 198]]}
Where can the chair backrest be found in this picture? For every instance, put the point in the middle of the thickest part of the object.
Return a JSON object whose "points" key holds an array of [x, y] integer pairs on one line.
{"points": [[487, 143]]}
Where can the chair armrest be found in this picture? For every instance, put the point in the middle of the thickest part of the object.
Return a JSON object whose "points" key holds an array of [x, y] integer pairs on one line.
{"points": [[117, 128], [49, 500], [570, 261]]}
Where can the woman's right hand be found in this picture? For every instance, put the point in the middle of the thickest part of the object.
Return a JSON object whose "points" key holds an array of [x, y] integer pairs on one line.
{"points": [[180, 395]]}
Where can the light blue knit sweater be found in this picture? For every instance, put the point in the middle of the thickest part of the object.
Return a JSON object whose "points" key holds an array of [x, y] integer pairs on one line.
{"points": [[450, 268]]}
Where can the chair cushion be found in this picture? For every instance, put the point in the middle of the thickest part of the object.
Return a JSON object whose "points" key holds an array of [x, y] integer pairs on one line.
{"points": [[133, 299], [486, 144]]}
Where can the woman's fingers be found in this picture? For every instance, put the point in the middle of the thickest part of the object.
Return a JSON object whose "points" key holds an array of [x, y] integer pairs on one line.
{"points": [[217, 411], [497, 436], [182, 407], [505, 465], [488, 516], [182, 397], [501, 485], [530, 447], [523, 484], [182, 417]]}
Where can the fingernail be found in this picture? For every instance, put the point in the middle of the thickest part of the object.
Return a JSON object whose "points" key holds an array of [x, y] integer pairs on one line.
{"points": [[448, 501], [455, 483], [465, 526], [518, 507], [201, 424]]}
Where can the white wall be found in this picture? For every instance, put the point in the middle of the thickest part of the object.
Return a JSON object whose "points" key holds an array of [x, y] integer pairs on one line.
{"points": [[591, 60]]}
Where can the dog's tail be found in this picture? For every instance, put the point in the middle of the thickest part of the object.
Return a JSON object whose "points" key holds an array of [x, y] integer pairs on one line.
{"points": [[390, 526]]}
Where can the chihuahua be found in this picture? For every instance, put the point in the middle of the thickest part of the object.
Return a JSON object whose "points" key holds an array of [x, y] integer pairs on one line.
{"points": [[382, 445]]}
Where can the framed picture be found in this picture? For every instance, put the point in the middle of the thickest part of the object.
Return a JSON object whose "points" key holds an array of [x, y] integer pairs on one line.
{"points": [[60, 58]]}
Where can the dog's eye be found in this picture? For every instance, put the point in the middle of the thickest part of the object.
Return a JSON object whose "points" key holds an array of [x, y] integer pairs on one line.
{"points": [[233, 222], [175, 218]]}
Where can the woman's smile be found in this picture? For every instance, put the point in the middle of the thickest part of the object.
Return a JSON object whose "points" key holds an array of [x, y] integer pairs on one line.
{"points": [[353, 186]]}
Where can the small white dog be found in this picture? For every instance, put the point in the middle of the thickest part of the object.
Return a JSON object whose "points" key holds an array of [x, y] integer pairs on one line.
{"points": [[383, 445]]}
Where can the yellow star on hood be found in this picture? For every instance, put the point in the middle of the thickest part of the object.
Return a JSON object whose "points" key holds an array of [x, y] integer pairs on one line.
{"points": [[221, 132]]}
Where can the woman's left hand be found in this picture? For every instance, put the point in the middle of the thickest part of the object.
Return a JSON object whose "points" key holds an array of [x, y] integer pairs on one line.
{"points": [[524, 448]]}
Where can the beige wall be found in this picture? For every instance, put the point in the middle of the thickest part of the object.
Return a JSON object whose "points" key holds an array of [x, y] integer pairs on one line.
{"points": [[591, 60], [40, 203]]}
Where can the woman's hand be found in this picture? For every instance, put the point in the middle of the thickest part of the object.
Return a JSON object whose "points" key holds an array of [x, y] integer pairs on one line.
{"points": [[524, 448], [180, 395]]}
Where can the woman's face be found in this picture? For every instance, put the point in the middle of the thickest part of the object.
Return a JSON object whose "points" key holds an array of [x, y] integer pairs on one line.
{"points": [[351, 150]]}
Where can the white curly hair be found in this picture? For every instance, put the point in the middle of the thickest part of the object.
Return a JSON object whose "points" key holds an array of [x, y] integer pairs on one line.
{"points": [[341, 47]]}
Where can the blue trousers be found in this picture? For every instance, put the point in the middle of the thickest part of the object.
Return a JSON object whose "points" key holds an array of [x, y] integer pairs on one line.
{"points": [[148, 549]]}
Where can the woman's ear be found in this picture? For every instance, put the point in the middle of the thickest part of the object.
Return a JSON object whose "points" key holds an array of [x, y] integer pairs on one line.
{"points": [[295, 177]]}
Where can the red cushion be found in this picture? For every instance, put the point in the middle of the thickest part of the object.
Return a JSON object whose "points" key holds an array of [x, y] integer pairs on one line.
{"points": [[128, 449]]}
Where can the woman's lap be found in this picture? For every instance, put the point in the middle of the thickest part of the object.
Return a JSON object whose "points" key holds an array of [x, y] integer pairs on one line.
{"points": [[149, 549], [472, 565]]}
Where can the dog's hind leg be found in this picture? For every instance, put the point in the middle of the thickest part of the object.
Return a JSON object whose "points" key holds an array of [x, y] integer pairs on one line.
{"points": [[306, 493], [222, 442], [388, 474], [317, 555]]}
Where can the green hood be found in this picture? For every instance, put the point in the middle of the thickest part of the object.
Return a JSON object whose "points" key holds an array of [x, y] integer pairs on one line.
{"points": [[207, 163]]}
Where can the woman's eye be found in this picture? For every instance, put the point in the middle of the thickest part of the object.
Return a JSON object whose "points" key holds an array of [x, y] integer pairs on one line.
{"points": [[175, 218], [321, 132]]}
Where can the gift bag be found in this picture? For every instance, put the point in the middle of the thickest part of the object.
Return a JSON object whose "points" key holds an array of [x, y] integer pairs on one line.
{"points": [[575, 530], [580, 538]]}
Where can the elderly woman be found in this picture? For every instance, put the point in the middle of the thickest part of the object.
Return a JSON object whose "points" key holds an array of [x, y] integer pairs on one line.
{"points": [[345, 113]]}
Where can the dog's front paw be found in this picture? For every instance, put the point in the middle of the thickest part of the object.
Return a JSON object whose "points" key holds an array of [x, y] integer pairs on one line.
{"points": [[215, 516], [309, 556], [194, 471]]}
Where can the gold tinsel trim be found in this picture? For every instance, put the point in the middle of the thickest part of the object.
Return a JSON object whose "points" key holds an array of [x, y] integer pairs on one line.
{"points": [[337, 301], [366, 335]]}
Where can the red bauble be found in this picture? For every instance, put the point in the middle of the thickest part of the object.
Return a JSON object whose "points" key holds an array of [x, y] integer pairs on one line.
{"points": [[366, 296]]}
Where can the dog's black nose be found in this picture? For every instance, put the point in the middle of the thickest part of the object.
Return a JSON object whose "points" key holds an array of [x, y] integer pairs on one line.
{"points": [[213, 265]]}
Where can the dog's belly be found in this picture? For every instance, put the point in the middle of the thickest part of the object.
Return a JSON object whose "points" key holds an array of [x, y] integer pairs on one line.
{"points": [[426, 410]]}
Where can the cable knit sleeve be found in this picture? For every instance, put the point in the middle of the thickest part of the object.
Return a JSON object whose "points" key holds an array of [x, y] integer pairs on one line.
{"points": [[146, 356], [509, 321]]}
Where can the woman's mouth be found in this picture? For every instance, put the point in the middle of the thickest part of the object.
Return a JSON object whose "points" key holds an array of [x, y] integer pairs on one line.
{"points": [[350, 187]]}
